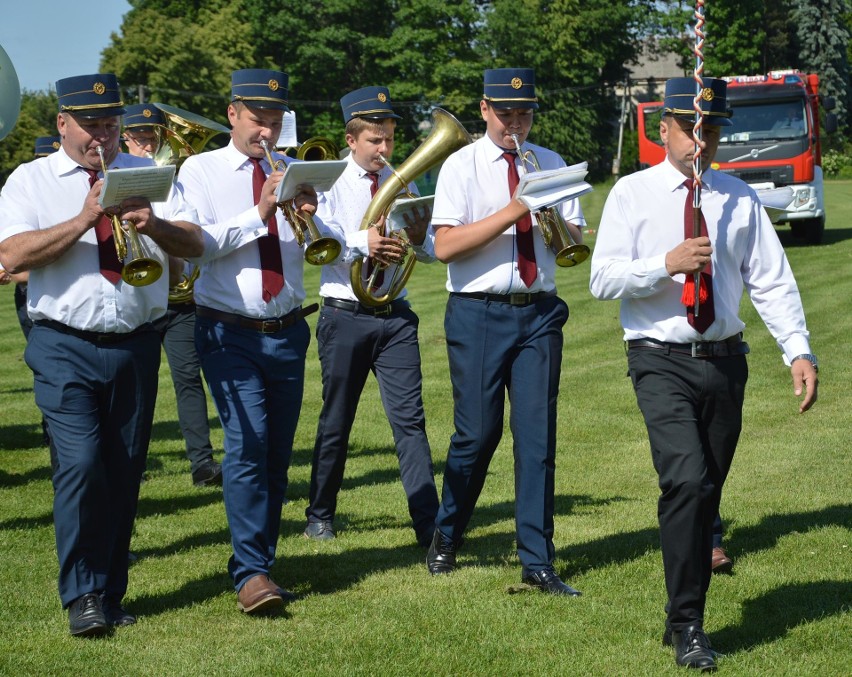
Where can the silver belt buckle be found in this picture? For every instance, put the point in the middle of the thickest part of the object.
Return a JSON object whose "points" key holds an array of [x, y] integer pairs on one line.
{"points": [[271, 326], [700, 349], [381, 311]]}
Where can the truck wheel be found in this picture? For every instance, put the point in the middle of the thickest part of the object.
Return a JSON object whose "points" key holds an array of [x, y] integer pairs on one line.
{"points": [[809, 230]]}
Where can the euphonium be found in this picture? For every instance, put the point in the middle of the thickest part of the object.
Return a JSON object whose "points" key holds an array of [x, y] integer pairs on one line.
{"points": [[446, 137], [320, 250], [140, 269], [184, 134], [551, 223]]}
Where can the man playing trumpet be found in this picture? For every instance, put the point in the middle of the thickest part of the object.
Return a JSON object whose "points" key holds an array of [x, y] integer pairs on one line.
{"points": [[92, 349]]}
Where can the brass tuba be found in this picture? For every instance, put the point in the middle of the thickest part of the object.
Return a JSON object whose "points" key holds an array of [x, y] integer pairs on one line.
{"points": [[184, 134], [318, 148], [10, 95], [446, 137], [140, 269], [551, 223]]}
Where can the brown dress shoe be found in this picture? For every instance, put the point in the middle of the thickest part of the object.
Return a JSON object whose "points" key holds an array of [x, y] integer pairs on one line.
{"points": [[259, 595], [721, 563]]}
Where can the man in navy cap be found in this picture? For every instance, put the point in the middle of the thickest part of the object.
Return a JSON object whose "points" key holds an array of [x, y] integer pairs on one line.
{"points": [[143, 126], [504, 329], [92, 348], [250, 330], [689, 369], [144, 132], [354, 339]]}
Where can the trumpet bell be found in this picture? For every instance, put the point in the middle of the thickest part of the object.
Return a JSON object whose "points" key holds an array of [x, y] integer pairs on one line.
{"points": [[322, 251], [572, 255], [141, 272]]}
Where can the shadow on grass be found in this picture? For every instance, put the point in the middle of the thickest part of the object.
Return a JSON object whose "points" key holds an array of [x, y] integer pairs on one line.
{"points": [[39, 474], [770, 617], [22, 436], [765, 534], [830, 236]]}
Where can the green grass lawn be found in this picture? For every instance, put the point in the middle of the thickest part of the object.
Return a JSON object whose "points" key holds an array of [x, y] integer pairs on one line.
{"points": [[368, 606]]}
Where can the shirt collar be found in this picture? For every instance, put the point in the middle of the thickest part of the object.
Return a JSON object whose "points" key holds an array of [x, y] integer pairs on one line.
{"points": [[673, 179], [494, 152], [237, 159]]}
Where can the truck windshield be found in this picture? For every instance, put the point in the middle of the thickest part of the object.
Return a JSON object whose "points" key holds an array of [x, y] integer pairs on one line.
{"points": [[766, 121]]}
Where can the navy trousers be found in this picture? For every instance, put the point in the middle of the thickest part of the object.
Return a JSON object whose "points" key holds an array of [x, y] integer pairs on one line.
{"points": [[693, 412], [493, 349], [351, 345], [256, 381], [177, 331], [98, 400]]}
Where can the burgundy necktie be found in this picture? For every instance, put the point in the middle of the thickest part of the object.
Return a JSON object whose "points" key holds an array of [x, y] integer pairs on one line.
{"points": [[523, 230], [107, 256], [380, 273], [706, 312], [271, 267]]}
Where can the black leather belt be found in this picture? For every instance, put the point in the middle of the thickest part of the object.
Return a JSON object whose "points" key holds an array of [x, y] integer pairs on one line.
{"points": [[269, 325], [524, 299], [733, 345], [359, 308], [102, 338]]}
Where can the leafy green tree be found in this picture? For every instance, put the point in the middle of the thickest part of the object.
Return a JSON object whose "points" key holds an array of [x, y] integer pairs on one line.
{"points": [[37, 118]]}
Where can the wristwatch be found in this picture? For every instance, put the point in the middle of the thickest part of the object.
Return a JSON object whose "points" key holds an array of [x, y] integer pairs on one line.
{"points": [[810, 358]]}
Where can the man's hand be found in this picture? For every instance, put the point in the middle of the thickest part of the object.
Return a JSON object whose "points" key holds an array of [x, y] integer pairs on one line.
{"points": [[690, 256], [138, 212], [805, 380], [268, 203], [92, 210], [385, 250], [305, 199], [417, 223]]}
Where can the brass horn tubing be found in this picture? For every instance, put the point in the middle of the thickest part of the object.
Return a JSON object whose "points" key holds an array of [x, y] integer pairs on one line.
{"points": [[118, 234]]}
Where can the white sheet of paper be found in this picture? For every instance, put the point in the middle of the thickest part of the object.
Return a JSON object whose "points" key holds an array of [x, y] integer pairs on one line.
{"points": [[544, 189], [287, 138], [321, 174], [152, 182], [396, 214]]}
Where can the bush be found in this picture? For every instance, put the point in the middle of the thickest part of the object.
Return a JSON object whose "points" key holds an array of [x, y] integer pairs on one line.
{"points": [[836, 164]]}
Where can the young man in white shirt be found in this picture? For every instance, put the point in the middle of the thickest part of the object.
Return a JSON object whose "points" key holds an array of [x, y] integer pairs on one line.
{"points": [[354, 339]]}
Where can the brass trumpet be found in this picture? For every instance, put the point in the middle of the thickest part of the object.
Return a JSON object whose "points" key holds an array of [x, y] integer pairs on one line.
{"points": [[320, 250], [551, 223], [141, 269]]}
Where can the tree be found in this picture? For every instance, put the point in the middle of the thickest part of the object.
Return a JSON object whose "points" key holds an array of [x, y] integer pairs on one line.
{"points": [[37, 118]]}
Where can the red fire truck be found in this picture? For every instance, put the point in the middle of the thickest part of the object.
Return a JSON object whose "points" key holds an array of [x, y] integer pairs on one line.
{"points": [[774, 142]]}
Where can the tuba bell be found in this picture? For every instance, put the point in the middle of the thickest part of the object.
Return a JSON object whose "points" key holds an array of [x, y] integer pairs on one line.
{"points": [[184, 134], [318, 148], [10, 95], [446, 137]]}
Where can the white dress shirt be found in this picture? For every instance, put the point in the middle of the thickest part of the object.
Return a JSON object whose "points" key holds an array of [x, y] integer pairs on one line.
{"points": [[218, 184], [643, 219], [71, 290], [342, 210], [472, 185]]}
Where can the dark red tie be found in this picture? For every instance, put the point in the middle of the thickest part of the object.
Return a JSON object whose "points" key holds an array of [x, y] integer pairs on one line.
{"points": [[380, 273], [271, 267], [523, 230], [706, 311], [107, 256]]}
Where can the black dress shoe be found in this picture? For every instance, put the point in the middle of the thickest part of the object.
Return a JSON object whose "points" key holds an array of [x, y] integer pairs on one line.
{"points": [[115, 614], [208, 474], [547, 580], [86, 617], [692, 649], [441, 557]]}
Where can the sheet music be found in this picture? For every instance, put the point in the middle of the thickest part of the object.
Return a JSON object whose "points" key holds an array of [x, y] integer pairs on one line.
{"points": [[320, 174], [288, 138], [153, 183], [396, 214], [545, 189]]}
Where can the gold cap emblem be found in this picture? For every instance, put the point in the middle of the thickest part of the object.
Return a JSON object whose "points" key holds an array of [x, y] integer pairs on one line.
{"points": [[273, 85], [707, 94], [381, 97], [517, 83], [56, 145], [146, 113], [98, 88]]}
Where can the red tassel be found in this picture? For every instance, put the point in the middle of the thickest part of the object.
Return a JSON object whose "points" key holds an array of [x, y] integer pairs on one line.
{"points": [[687, 298]]}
